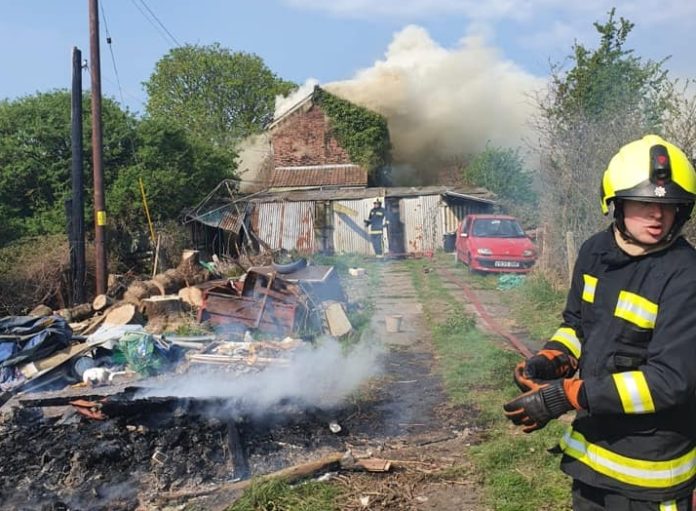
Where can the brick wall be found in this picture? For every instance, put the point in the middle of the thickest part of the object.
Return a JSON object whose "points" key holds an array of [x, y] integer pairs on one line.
{"points": [[303, 139]]}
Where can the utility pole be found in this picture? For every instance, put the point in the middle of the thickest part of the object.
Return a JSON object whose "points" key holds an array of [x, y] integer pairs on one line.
{"points": [[97, 160], [77, 213]]}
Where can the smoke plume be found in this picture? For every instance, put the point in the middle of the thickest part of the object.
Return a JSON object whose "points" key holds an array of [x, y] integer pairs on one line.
{"points": [[444, 103], [319, 376]]}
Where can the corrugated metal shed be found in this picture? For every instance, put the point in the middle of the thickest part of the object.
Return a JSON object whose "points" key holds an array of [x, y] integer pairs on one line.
{"points": [[288, 225], [422, 223], [349, 233], [318, 175]]}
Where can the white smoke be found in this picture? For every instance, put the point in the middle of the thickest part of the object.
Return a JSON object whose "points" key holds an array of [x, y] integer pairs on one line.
{"points": [[443, 103], [319, 376], [285, 103]]}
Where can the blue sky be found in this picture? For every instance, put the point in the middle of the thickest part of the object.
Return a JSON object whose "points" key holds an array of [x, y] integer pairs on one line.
{"points": [[329, 40]]}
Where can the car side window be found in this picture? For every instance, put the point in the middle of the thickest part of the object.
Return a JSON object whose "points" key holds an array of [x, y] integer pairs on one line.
{"points": [[465, 225]]}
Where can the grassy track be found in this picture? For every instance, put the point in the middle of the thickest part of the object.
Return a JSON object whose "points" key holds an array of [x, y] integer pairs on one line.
{"points": [[517, 471]]}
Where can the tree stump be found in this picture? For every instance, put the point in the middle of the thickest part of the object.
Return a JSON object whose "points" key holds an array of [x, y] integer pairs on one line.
{"points": [[161, 306]]}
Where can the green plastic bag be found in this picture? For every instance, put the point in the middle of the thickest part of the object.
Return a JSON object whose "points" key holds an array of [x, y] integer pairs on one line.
{"points": [[141, 353]]}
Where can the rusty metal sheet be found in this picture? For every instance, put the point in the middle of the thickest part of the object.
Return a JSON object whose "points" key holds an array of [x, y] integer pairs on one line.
{"points": [[226, 310], [287, 225], [422, 218]]}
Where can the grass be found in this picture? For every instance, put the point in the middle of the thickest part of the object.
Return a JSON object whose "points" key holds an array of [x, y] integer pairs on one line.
{"points": [[277, 495], [536, 305], [518, 472]]}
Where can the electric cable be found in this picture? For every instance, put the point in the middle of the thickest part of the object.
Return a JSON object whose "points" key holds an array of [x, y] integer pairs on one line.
{"points": [[160, 23]]}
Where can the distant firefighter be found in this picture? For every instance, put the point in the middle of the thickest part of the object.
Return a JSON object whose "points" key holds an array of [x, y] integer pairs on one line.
{"points": [[377, 222]]}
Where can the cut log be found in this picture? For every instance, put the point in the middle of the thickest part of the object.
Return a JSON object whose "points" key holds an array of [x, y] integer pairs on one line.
{"points": [[192, 296], [101, 302], [77, 313], [41, 310], [139, 290], [170, 281], [123, 314], [161, 306]]}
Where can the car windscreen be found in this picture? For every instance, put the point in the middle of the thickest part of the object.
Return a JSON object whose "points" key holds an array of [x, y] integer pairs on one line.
{"points": [[497, 228]]}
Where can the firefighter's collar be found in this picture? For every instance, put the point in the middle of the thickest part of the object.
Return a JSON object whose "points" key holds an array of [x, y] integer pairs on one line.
{"points": [[635, 249]]}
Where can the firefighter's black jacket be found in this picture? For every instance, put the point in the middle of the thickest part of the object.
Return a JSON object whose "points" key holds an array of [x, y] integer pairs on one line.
{"points": [[631, 322], [376, 220]]}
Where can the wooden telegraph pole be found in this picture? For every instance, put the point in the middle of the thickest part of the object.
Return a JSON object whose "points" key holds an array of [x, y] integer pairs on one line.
{"points": [[77, 214], [97, 160]]}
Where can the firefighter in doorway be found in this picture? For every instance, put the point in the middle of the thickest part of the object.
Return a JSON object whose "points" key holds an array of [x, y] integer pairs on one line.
{"points": [[376, 223]]}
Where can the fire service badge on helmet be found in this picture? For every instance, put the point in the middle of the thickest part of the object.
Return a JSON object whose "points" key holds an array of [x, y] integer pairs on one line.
{"points": [[660, 191]]}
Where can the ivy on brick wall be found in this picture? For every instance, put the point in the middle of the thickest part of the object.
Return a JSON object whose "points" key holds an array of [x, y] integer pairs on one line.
{"points": [[362, 133]]}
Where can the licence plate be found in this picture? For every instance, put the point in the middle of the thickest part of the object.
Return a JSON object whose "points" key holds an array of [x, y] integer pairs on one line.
{"points": [[506, 264]]}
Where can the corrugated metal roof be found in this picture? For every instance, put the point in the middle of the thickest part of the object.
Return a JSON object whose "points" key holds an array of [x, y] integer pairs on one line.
{"points": [[228, 217], [473, 194], [318, 175]]}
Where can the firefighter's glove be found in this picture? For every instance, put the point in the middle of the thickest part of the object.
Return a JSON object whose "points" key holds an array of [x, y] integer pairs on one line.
{"points": [[524, 382], [534, 409], [367, 223], [550, 365]]}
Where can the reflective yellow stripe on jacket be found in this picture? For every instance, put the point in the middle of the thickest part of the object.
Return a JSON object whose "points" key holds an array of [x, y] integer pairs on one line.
{"points": [[644, 473], [668, 505], [634, 392], [588, 291], [566, 336], [636, 309]]}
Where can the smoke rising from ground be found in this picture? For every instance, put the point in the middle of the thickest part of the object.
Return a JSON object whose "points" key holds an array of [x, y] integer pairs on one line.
{"points": [[441, 103], [318, 376]]}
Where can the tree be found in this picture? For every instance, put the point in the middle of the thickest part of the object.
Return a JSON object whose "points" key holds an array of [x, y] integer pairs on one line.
{"points": [[218, 95], [502, 171], [176, 172], [608, 98], [35, 159]]}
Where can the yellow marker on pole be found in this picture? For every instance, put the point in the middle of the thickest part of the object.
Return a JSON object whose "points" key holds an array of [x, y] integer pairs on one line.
{"points": [[147, 211]]}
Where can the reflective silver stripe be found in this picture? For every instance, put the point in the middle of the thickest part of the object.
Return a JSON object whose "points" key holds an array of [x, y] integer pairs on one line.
{"points": [[588, 291], [636, 309], [566, 336], [634, 392], [644, 473], [669, 505]]}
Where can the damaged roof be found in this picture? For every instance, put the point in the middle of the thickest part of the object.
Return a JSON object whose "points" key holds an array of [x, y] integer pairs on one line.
{"points": [[318, 175]]}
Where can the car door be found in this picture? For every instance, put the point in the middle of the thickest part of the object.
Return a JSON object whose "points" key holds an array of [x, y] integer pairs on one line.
{"points": [[463, 238]]}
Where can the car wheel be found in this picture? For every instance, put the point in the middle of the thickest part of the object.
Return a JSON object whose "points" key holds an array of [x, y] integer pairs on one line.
{"points": [[468, 264]]}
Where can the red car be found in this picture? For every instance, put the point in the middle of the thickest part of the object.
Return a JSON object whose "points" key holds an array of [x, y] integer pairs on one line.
{"points": [[494, 243]]}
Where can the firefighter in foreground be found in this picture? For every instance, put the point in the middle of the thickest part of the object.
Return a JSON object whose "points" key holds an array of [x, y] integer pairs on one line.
{"points": [[376, 223], [629, 329]]}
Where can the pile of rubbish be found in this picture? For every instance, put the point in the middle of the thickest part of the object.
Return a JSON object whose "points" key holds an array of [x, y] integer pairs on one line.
{"points": [[175, 320]]}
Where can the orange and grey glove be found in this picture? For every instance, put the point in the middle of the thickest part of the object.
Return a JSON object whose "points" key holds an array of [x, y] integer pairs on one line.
{"points": [[524, 382], [550, 365], [534, 409]]}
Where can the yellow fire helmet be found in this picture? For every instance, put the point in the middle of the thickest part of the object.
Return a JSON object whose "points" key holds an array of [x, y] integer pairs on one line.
{"points": [[650, 170]]}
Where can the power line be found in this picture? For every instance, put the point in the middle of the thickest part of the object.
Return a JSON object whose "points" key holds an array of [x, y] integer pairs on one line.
{"points": [[157, 24], [111, 51], [160, 23]]}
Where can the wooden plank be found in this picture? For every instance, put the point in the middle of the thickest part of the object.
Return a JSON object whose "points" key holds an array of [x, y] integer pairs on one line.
{"points": [[39, 367], [338, 322]]}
